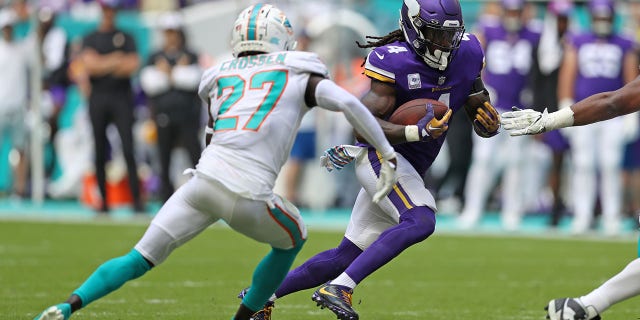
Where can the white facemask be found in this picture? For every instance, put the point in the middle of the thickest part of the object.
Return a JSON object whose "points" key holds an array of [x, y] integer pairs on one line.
{"points": [[440, 56]]}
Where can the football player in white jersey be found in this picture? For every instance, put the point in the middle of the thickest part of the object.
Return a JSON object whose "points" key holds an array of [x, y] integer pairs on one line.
{"points": [[256, 102], [595, 108]]}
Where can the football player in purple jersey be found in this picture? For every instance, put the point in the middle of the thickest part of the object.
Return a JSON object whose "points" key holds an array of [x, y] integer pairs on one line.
{"points": [[429, 56]]}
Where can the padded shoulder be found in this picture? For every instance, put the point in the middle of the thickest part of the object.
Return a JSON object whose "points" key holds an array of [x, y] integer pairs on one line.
{"points": [[306, 62], [382, 62], [470, 54]]}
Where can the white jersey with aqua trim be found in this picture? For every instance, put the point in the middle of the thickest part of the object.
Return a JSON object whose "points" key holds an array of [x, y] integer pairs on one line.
{"points": [[257, 103]]}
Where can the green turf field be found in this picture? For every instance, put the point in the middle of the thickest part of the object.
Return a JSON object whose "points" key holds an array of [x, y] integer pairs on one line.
{"points": [[446, 277]]}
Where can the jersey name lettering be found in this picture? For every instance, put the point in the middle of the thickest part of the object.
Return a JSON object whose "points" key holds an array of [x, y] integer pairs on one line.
{"points": [[253, 61]]}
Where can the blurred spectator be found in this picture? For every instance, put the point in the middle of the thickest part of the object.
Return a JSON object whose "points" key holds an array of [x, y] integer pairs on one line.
{"points": [[170, 81], [55, 61], [596, 61], [547, 59], [14, 63], [508, 43], [110, 58]]}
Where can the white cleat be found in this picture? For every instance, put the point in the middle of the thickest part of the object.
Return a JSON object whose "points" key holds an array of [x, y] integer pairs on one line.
{"points": [[52, 313], [570, 309]]}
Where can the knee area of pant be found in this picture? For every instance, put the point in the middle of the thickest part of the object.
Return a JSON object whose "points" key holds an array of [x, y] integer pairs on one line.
{"points": [[422, 220]]}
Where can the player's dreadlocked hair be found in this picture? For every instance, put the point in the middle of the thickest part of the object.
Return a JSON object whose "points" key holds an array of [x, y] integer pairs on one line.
{"points": [[396, 35]]}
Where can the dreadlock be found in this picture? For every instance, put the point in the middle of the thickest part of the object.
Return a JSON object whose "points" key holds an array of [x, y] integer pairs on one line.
{"points": [[396, 35]]}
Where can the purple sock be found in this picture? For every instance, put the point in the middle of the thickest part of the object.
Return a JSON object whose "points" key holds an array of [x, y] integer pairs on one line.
{"points": [[319, 269], [415, 225]]}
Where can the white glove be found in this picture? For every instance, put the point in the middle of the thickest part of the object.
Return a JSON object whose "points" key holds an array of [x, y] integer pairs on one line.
{"points": [[524, 122], [386, 180]]}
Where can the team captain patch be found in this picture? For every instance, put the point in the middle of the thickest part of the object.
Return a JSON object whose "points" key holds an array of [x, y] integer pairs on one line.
{"points": [[414, 81]]}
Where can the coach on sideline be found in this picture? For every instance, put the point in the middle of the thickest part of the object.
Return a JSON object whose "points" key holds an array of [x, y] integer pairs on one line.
{"points": [[110, 58]]}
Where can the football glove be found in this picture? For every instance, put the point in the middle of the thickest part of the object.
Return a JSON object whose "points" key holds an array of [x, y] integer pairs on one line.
{"points": [[525, 122], [386, 180], [431, 127], [487, 121], [336, 158]]}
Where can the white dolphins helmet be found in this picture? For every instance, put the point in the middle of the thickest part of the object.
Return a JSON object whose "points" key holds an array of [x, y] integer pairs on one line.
{"points": [[262, 28]]}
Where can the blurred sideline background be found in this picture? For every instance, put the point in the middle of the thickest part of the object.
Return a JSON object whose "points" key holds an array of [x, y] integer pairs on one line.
{"points": [[63, 183]]}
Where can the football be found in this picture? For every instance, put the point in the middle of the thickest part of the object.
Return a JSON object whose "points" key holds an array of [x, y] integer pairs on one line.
{"points": [[412, 111]]}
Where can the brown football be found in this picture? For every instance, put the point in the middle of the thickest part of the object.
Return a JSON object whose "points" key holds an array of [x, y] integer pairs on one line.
{"points": [[412, 111]]}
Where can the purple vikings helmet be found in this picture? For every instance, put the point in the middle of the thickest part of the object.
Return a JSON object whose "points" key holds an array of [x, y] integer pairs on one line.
{"points": [[434, 28]]}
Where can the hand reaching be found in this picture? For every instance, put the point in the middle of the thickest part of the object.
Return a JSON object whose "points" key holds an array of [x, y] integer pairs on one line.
{"points": [[525, 122]]}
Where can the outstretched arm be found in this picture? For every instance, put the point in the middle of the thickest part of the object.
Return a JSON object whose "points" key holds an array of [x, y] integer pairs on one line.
{"points": [[598, 107], [607, 105]]}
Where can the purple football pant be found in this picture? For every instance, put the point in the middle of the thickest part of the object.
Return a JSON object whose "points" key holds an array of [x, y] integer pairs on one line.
{"points": [[415, 225]]}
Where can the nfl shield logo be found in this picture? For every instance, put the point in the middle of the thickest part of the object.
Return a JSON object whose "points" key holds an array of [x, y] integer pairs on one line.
{"points": [[441, 80], [414, 81]]}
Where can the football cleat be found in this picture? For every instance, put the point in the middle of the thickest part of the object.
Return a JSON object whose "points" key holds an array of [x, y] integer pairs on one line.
{"points": [[337, 299], [262, 314], [58, 312], [570, 309]]}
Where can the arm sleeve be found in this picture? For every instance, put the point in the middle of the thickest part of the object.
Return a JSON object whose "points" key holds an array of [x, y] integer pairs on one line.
{"points": [[332, 97]]}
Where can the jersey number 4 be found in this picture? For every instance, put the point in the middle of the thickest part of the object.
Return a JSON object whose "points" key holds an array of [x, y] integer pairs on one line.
{"points": [[226, 120]]}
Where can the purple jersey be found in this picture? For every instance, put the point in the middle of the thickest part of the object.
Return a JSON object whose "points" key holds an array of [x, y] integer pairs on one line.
{"points": [[397, 64], [599, 63], [509, 59]]}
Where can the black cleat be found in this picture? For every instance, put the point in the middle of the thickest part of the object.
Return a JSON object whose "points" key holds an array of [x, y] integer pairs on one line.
{"points": [[337, 299], [262, 314]]}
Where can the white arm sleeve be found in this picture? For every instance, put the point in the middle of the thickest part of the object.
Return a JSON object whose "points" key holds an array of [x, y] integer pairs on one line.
{"points": [[332, 97], [186, 77], [154, 81]]}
